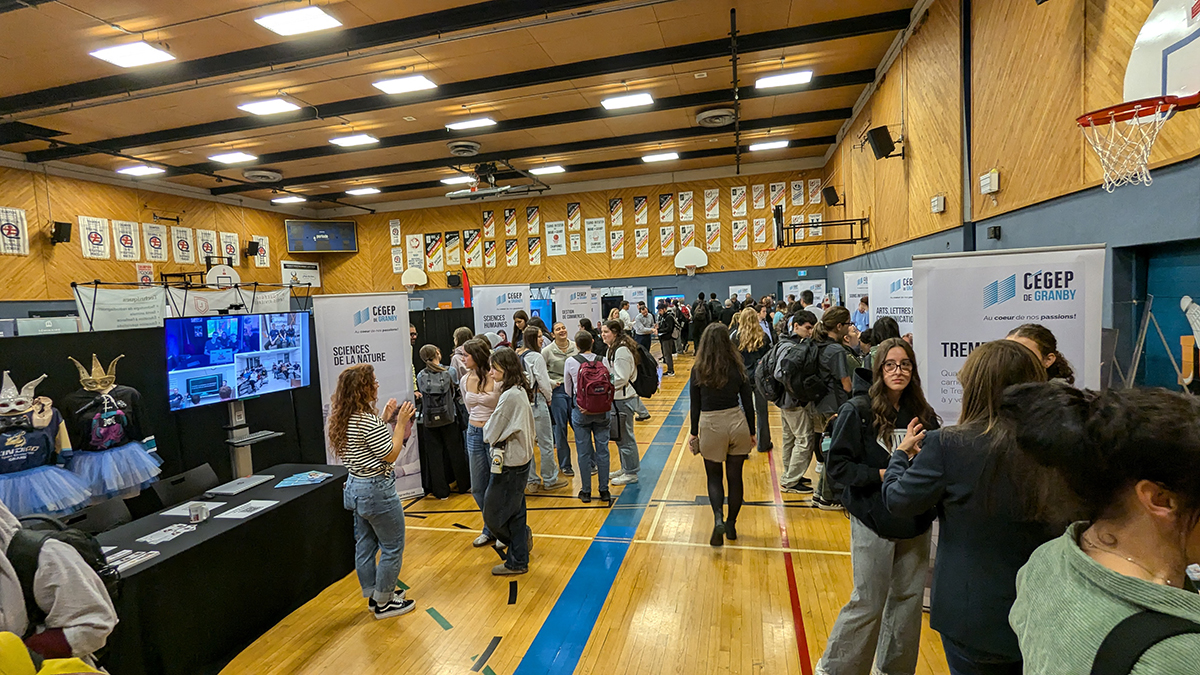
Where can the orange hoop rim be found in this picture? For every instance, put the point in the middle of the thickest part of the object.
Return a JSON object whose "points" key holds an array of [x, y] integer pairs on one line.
{"points": [[1143, 107]]}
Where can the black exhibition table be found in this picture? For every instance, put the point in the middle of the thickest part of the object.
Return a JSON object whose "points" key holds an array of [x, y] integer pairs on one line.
{"points": [[212, 592]]}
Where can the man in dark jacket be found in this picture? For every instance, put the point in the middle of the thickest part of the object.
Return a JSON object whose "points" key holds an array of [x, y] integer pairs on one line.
{"points": [[727, 313], [666, 337], [701, 317], [714, 306]]}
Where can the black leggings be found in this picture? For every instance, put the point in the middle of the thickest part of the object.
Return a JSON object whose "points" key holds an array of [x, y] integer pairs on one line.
{"points": [[716, 489]]}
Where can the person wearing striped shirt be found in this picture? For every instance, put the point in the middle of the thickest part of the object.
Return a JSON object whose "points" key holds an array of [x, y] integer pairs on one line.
{"points": [[368, 445]]}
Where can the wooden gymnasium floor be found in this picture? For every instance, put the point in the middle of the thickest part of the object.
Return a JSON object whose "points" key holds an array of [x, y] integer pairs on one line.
{"points": [[631, 589]]}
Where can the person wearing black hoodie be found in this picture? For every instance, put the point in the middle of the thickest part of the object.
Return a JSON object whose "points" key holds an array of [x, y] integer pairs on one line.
{"points": [[881, 623]]}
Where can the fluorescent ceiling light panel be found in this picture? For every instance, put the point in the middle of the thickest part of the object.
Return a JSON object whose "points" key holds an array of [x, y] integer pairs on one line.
{"points": [[628, 101], [784, 79], [232, 158], [543, 170], [288, 200], [269, 107], [769, 145], [358, 192], [457, 180], [141, 170], [664, 157], [298, 21], [132, 55], [471, 124], [403, 85], [351, 141]]}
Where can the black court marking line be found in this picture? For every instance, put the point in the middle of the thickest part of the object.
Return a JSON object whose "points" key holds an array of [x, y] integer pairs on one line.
{"points": [[531, 508], [512, 593], [414, 501], [461, 526], [487, 653], [414, 515]]}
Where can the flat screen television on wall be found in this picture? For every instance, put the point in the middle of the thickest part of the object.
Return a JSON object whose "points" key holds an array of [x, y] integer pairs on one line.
{"points": [[321, 236], [217, 359]]}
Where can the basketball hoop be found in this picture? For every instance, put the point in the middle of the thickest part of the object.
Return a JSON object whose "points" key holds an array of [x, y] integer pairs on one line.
{"points": [[1123, 136], [410, 287], [691, 270], [760, 257]]}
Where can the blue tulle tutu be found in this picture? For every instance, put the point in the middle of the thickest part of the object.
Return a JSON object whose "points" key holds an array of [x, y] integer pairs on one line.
{"points": [[44, 489], [117, 472]]}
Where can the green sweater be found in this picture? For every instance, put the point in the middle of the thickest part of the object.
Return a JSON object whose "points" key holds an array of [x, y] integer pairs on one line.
{"points": [[1067, 603]]}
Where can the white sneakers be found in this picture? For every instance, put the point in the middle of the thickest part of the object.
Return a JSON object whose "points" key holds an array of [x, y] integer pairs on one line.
{"points": [[624, 479]]}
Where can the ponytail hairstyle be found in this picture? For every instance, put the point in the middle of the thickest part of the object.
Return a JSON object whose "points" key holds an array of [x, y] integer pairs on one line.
{"points": [[829, 322], [480, 352], [912, 398], [507, 360], [623, 340], [1059, 368], [429, 354], [461, 335]]}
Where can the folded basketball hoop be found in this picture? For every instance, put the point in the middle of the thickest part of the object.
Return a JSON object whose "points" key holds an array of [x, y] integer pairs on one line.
{"points": [[1123, 135], [760, 257]]}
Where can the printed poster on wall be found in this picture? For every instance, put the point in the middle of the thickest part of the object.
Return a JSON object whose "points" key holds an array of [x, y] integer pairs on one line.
{"points": [[641, 242], [814, 231], [641, 210], [778, 194], [472, 244], [231, 247], [535, 250], [126, 241], [760, 230], [712, 203], [575, 242], [489, 253], [685, 206], [799, 198], [891, 294], [814, 190], [712, 236], [594, 231], [369, 328], [572, 303], [181, 245], [964, 300], [574, 216], [758, 195], [14, 232], [510, 222], [435, 253], [687, 236], [144, 273], [737, 198], [533, 219], [666, 236], [616, 212], [511, 255], [296, 273], [154, 236], [489, 224], [741, 236], [398, 260], [394, 231], [556, 238], [453, 250], [666, 208], [414, 248], [93, 237], [617, 244], [206, 244], [263, 259]]}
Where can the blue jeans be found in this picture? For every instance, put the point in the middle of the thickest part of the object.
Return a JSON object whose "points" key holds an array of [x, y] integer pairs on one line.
{"points": [[560, 418], [591, 445], [504, 513], [378, 528], [479, 455], [541, 424], [964, 660], [627, 444]]}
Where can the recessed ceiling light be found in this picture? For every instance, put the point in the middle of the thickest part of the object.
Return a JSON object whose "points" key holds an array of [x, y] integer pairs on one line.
{"points": [[664, 157], [298, 21], [351, 141], [471, 124], [409, 118], [769, 145], [288, 200], [132, 55], [269, 107], [784, 79], [357, 192], [457, 180], [232, 158], [699, 76], [185, 152], [403, 85], [627, 101], [141, 170], [543, 170]]}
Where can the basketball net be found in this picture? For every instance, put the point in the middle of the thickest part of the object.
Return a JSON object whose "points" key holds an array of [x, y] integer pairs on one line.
{"points": [[1124, 145], [760, 257], [691, 270], [410, 287]]}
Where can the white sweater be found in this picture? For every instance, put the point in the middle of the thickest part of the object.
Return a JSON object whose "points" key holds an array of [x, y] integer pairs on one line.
{"points": [[624, 373], [512, 423]]}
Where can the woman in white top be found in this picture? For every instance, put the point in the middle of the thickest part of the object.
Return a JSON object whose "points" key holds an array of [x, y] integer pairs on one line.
{"points": [[479, 396], [621, 361], [534, 365], [510, 433], [368, 447]]}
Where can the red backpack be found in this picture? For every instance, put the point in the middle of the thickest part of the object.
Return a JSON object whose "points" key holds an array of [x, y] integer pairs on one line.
{"points": [[594, 390]]}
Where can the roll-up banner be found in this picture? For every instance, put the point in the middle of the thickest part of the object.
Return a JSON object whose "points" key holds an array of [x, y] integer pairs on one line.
{"points": [[964, 300], [369, 328], [572, 303], [857, 285], [891, 294], [494, 307]]}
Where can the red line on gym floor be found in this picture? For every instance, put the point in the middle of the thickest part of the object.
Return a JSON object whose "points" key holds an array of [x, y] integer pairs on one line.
{"points": [[797, 613]]}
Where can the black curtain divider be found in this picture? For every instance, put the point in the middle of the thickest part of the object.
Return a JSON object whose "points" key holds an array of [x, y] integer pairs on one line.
{"points": [[436, 327]]}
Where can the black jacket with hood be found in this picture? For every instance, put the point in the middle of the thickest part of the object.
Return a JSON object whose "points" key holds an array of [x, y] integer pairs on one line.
{"points": [[856, 457]]}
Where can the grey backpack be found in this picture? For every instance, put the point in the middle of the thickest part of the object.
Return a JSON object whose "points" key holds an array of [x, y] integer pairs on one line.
{"points": [[437, 397]]}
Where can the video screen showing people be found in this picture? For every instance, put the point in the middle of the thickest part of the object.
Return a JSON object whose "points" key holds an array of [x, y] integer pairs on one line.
{"points": [[221, 358]]}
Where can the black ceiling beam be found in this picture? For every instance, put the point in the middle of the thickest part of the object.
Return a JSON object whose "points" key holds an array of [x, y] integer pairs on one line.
{"points": [[292, 51], [775, 39], [717, 96], [553, 149]]}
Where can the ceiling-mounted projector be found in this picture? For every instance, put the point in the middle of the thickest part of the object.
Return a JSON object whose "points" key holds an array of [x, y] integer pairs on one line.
{"points": [[479, 193]]}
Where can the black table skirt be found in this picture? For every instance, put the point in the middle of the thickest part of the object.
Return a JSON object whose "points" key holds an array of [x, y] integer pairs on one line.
{"points": [[214, 591]]}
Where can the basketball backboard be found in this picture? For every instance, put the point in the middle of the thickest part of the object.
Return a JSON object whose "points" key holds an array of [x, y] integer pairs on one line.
{"points": [[1166, 56]]}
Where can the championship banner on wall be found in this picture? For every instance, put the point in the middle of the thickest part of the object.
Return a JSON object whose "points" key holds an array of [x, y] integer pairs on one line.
{"points": [[617, 241], [188, 302], [263, 259], [535, 250], [641, 210], [737, 198], [489, 253], [511, 258], [119, 308], [145, 273], [685, 207], [230, 247], [206, 243], [494, 307], [371, 328], [712, 204], [93, 237], [815, 231], [778, 192], [14, 232], [575, 243], [181, 245], [741, 235], [572, 303], [397, 260], [414, 251], [667, 237], [641, 242], [510, 222], [573, 216], [798, 232], [799, 198], [760, 230], [453, 250], [154, 237], [556, 238], [473, 246], [394, 231], [857, 285], [891, 294], [594, 232], [616, 212], [966, 299], [712, 237], [666, 208], [814, 190], [125, 238], [687, 236], [489, 224], [435, 254], [758, 195], [533, 218]]}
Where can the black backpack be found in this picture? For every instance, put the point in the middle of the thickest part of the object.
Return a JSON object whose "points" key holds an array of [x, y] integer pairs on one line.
{"points": [[764, 372], [700, 312], [799, 369], [438, 407], [26, 546], [1129, 640], [646, 383]]}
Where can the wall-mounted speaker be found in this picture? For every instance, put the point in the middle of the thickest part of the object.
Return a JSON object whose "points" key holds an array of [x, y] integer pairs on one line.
{"points": [[251, 248], [60, 233], [881, 142], [831, 195], [453, 280]]}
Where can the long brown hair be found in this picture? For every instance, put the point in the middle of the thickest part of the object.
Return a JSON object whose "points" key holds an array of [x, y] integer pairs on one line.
{"points": [[717, 359], [913, 397], [623, 340], [461, 335], [990, 369], [1048, 345], [829, 322], [479, 351], [429, 354], [507, 360], [356, 392], [750, 333]]}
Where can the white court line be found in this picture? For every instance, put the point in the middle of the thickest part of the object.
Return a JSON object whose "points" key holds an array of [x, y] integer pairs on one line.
{"points": [[665, 492], [577, 537], [772, 549]]}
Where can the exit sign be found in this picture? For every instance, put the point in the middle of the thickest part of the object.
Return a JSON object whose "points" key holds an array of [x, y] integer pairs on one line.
{"points": [[801, 273]]}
